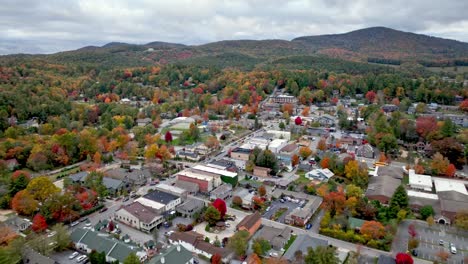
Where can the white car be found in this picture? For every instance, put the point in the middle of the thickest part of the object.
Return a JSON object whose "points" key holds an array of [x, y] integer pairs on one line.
{"points": [[73, 255], [81, 258], [51, 234], [453, 249]]}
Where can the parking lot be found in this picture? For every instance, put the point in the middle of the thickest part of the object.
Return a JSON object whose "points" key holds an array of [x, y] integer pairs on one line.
{"points": [[276, 205], [429, 241]]}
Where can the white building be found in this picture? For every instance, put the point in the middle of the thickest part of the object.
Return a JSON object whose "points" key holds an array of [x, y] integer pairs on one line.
{"points": [[280, 134], [320, 174], [160, 201], [139, 216], [444, 185], [420, 181], [277, 144]]}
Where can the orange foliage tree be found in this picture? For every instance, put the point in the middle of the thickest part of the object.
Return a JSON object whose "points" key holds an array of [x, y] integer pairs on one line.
{"points": [[325, 163], [24, 203], [450, 171], [295, 160], [372, 230], [6, 235]]}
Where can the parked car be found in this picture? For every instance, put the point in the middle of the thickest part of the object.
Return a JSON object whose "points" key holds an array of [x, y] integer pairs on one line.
{"points": [[74, 223], [441, 242], [281, 201], [308, 226], [453, 249], [167, 224], [81, 258], [414, 252], [73, 255], [268, 209], [126, 199], [103, 210], [84, 219]]}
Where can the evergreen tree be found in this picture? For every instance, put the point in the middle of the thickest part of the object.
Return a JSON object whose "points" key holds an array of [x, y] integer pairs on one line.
{"points": [[399, 201]]}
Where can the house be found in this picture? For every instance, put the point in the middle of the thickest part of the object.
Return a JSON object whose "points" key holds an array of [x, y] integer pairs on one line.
{"points": [[305, 166], [388, 108], [195, 243], [113, 186], [326, 120], [276, 236], [300, 216], [30, 256], [246, 197], [320, 174], [115, 250], [282, 98], [303, 243], [139, 216], [366, 151], [129, 176], [188, 155], [173, 254], [141, 122], [160, 201], [223, 192], [261, 172], [18, 224], [240, 154], [381, 188], [190, 207], [420, 181], [251, 223]]}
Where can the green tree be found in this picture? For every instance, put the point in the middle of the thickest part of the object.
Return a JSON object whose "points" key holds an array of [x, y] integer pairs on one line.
{"points": [[94, 181], [426, 211], [281, 125], [239, 242], [321, 255], [398, 201], [36, 242], [19, 183], [132, 259], [97, 257], [387, 143], [461, 219], [448, 129], [212, 215], [261, 246], [354, 191], [62, 237]]}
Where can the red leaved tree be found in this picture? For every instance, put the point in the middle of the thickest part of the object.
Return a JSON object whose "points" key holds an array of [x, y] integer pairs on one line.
{"points": [[220, 205], [370, 96], [450, 172], [216, 259], [168, 136], [298, 121], [39, 223], [403, 258]]}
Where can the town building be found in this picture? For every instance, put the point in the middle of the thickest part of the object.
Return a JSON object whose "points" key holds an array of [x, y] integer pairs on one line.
{"points": [[160, 201], [277, 144], [182, 193], [223, 192], [246, 198], [286, 153], [205, 182], [251, 223], [224, 175], [115, 250], [129, 176], [240, 154], [282, 99], [138, 216], [420, 181], [141, 122], [381, 188], [278, 134], [188, 186], [190, 207]]}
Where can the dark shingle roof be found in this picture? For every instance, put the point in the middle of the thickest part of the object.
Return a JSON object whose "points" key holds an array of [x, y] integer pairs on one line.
{"points": [[31, 256], [302, 243], [143, 213], [382, 185], [160, 197]]}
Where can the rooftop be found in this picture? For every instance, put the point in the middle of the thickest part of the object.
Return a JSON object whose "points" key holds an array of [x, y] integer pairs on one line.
{"points": [[161, 197], [215, 171], [289, 148], [382, 185], [419, 179], [174, 254], [241, 150], [192, 174], [143, 213], [302, 243], [442, 185], [250, 220]]}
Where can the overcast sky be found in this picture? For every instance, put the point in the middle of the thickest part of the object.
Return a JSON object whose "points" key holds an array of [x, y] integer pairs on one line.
{"points": [[47, 26]]}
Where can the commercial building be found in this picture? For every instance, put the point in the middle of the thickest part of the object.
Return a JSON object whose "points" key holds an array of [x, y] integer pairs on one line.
{"points": [[381, 188], [420, 181], [195, 243], [138, 216], [160, 201], [251, 223], [240, 154], [277, 144]]}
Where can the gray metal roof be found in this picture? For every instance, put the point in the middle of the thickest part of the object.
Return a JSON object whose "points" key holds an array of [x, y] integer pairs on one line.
{"points": [[174, 254], [302, 243], [160, 197]]}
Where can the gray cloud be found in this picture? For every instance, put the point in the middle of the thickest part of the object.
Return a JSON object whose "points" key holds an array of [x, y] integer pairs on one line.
{"points": [[49, 26]]}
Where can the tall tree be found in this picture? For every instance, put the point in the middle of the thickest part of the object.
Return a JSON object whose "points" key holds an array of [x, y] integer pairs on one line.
{"points": [[239, 242], [398, 201], [220, 205], [41, 188], [322, 255], [24, 203], [168, 137], [372, 230], [132, 259], [261, 246], [212, 215], [61, 237]]}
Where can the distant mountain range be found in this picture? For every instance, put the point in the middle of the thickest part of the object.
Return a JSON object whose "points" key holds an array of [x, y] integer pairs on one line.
{"points": [[377, 45]]}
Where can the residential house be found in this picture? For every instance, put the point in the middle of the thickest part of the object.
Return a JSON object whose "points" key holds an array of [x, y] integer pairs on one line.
{"points": [[366, 151], [305, 166], [276, 236], [115, 250], [240, 154], [388, 108], [160, 201], [302, 243], [112, 185], [129, 176], [188, 155], [195, 243], [139, 216], [261, 172], [246, 197], [174, 254], [300, 216], [30, 256], [381, 188], [223, 192], [18, 224], [141, 122], [190, 207], [326, 120], [251, 223], [320, 174], [277, 144], [355, 223]]}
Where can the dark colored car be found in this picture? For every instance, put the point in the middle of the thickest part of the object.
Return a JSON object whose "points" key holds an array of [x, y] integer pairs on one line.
{"points": [[126, 199], [84, 219], [308, 226], [103, 210], [414, 252]]}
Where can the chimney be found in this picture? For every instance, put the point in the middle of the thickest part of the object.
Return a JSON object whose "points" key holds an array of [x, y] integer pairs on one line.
{"points": [[163, 260], [178, 248]]}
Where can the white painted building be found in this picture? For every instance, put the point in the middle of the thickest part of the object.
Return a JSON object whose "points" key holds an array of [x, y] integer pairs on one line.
{"points": [[444, 185], [277, 144], [420, 181]]}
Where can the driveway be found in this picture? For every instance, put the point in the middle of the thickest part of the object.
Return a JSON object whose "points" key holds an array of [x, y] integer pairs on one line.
{"points": [[429, 241]]}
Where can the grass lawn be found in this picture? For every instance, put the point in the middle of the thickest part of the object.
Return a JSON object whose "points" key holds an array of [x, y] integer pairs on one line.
{"points": [[63, 174], [405, 179], [279, 213], [290, 241], [302, 179]]}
